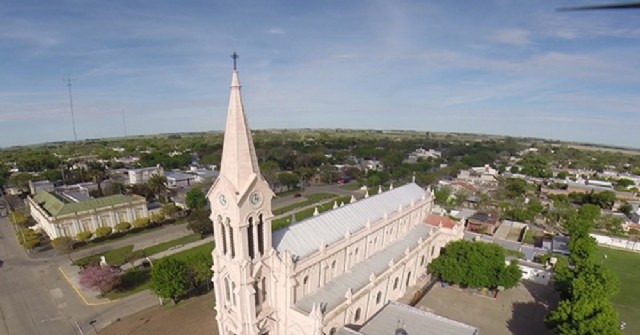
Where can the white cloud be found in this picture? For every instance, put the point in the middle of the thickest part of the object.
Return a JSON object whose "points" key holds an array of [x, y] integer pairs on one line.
{"points": [[517, 37], [276, 31]]}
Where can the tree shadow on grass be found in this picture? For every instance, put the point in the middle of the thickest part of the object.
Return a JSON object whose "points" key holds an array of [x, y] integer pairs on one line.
{"points": [[527, 318]]}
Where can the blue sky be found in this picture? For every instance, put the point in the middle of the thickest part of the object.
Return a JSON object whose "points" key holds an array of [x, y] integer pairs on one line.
{"points": [[499, 67]]}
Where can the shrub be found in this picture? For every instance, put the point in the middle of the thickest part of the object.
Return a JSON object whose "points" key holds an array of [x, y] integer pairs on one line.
{"points": [[141, 222], [103, 232], [123, 226], [84, 236], [100, 278], [157, 217]]}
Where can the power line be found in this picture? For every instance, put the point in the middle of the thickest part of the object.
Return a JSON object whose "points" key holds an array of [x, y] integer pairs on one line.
{"points": [[73, 120]]}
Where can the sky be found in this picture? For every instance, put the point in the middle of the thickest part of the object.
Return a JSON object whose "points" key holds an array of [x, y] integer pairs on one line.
{"points": [[517, 68]]}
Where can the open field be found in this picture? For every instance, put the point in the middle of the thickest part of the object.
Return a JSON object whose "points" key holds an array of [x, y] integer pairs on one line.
{"points": [[517, 311], [626, 265]]}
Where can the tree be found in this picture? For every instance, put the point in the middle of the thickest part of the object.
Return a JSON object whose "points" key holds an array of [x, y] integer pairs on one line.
{"points": [[562, 175], [475, 265], [515, 187], [626, 209], [170, 210], [19, 219], [28, 238], [64, 244], [101, 278], [195, 199], [610, 223], [589, 212], [103, 232], [140, 222], [199, 222], [288, 179], [199, 269], [168, 279], [97, 172], [84, 236], [122, 226], [21, 180], [158, 185], [157, 218], [442, 195]]}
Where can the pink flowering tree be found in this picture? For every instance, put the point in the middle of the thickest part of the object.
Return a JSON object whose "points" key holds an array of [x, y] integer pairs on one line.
{"points": [[100, 278]]}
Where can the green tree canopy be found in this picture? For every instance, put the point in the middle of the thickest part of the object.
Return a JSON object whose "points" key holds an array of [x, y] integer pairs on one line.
{"points": [[169, 278], [475, 265], [196, 199]]}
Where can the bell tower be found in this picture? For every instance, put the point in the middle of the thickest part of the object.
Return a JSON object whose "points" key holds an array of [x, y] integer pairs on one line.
{"points": [[241, 214]]}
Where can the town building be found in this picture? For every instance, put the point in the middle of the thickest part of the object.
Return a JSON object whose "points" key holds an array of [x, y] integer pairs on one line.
{"points": [[316, 276], [69, 214], [142, 175], [483, 222], [179, 179], [422, 153]]}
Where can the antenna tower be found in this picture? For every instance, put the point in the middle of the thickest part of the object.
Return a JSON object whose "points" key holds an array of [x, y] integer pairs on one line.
{"points": [[73, 119]]}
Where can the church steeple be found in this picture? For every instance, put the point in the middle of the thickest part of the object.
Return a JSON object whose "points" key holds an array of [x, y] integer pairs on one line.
{"points": [[239, 163]]}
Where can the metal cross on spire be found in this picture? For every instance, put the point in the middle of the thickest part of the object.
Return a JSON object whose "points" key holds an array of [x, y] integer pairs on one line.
{"points": [[235, 58]]}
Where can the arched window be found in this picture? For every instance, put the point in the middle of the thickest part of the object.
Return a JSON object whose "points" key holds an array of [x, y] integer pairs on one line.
{"points": [[433, 249], [395, 283], [227, 289], [260, 235], [233, 292], [422, 260], [250, 238], [264, 289], [231, 241], [223, 230], [378, 297], [333, 331], [305, 284], [408, 279], [356, 316], [355, 255]]}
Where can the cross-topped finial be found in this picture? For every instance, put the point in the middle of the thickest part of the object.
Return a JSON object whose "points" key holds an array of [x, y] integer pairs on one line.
{"points": [[235, 58]]}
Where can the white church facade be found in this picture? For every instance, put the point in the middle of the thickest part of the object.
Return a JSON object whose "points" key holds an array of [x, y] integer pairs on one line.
{"points": [[339, 268]]}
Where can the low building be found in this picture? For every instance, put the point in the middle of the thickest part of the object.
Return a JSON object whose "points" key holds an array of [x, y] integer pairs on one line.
{"points": [[533, 272], [179, 179], [40, 185], [142, 175], [419, 153], [60, 216], [400, 319], [483, 222]]}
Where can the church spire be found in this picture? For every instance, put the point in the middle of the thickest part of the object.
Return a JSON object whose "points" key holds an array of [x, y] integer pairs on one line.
{"points": [[239, 163]]}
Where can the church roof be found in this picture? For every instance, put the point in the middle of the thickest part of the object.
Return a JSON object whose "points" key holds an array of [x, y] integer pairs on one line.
{"points": [[239, 163], [304, 238], [413, 321], [333, 293]]}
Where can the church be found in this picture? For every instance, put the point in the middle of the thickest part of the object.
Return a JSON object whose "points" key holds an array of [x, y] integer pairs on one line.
{"points": [[339, 272]]}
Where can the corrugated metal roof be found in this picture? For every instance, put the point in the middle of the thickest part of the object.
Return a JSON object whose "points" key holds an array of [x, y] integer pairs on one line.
{"points": [[333, 293], [305, 237], [414, 321], [56, 207]]}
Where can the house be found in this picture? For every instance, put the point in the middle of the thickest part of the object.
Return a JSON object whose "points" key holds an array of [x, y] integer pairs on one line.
{"points": [[65, 215], [531, 271], [556, 245], [142, 175], [179, 179], [422, 153], [40, 185], [483, 223]]}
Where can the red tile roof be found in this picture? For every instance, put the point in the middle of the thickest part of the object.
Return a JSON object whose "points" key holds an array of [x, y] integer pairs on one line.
{"points": [[436, 220]]}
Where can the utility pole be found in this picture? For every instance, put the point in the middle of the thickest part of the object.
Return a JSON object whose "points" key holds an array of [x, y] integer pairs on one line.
{"points": [[124, 123], [73, 120]]}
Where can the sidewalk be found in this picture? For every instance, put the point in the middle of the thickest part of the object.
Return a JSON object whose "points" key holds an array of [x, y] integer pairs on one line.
{"points": [[92, 298]]}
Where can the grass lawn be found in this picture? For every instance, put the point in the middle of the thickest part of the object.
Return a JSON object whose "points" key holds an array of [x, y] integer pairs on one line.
{"points": [[137, 280], [307, 213], [309, 200], [118, 256], [626, 265], [154, 249]]}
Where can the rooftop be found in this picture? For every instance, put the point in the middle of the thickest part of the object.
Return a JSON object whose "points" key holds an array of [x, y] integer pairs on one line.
{"points": [[57, 206], [333, 293], [413, 321], [437, 220], [305, 237]]}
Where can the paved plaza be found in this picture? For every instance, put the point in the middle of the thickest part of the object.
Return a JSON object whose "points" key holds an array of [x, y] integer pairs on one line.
{"points": [[518, 311]]}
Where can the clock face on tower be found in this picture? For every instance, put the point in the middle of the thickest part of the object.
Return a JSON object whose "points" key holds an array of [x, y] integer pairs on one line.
{"points": [[256, 199], [223, 200]]}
